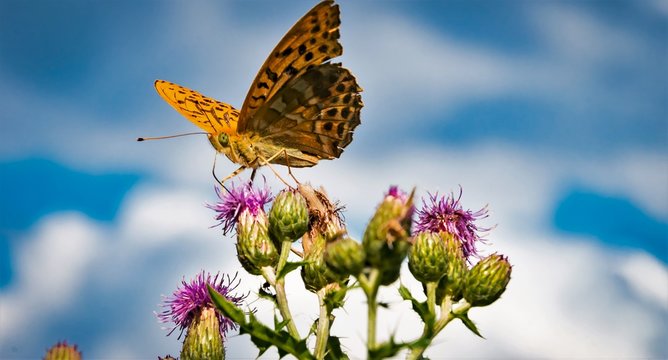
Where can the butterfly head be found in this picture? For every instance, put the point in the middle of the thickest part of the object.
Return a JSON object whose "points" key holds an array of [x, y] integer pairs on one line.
{"points": [[237, 148], [221, 142]]}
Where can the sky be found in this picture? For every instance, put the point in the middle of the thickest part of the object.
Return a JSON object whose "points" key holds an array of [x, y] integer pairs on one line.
{"points": [[552, 113]]}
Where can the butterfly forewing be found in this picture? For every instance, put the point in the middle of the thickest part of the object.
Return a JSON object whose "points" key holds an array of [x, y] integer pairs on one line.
{"points": [[315, 113], [210, 115], [311, 41]]}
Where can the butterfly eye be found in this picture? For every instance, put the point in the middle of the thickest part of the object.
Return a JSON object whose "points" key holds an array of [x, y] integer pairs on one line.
{"points": [[224, 139]]}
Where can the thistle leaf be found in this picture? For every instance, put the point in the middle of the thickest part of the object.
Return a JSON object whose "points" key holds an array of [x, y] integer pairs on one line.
{"points": [[262, 336], [289, 267], [468, 323]]}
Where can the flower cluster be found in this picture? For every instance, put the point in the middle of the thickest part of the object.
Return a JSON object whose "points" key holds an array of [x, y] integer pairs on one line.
{"points": [[439, 240]]}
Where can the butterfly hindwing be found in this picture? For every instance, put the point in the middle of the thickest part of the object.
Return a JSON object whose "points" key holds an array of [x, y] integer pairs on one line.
{"points": [[210, 115], [314, 113], [311, 41]]}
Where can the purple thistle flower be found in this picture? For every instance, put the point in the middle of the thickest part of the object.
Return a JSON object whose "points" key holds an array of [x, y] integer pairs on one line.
{"points": [[394, 193], [187, 301], [397, 193], [446, 214], [233, 202]]}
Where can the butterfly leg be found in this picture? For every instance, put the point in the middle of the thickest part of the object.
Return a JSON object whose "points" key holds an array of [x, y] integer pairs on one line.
{"points": [[287, 163], [235, 173], [266, 162]]}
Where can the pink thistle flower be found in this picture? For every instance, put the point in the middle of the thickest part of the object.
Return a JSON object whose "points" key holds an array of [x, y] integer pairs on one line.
{"points": [[233, 202], [446, 214], [186, 302]]}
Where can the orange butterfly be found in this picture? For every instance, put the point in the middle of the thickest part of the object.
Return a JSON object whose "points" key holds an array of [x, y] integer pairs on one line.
{"points": [[299, 109]]}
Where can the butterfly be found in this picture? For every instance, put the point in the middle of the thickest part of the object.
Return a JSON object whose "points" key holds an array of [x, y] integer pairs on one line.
{"points": [[300, 108]]}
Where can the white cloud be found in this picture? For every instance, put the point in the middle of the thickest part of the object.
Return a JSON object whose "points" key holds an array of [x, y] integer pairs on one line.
{"points": [[51, 264], [647, 277]]}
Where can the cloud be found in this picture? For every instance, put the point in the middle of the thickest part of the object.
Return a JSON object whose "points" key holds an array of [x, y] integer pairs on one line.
{"points": [[51, 264], [647, 277]]}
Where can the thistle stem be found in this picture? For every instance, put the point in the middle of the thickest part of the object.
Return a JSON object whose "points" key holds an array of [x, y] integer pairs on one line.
{"points": [[281, 299], [370, 285], [447, 314], [431, 298], [286, 246], [322, 333]]}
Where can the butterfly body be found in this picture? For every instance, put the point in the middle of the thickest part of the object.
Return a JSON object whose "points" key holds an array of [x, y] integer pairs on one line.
{"points": [[300, 107]]}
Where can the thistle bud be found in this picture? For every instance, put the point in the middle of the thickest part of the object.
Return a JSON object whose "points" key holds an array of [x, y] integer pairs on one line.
{"points": [[315, 273], [345, 257], [203, 340], [385, 239], [62, 351], [487, 280], [288, 217], [255, 249], [389, 226], [427, 258], [455, 275], [324, 217]]}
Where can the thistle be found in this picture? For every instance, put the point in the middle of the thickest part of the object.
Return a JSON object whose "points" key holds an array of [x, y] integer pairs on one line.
{"points": [[427, 258], [190, 308], [315, 273], [445, 214], [243, 206], [345, 256], [232, 204], [325, 226], [288, 217], [385, 240], [455, 274], [487, 280], [62, 351]]}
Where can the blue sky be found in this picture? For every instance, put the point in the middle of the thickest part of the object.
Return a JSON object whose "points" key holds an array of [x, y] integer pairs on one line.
{"points": [[553, 113]]}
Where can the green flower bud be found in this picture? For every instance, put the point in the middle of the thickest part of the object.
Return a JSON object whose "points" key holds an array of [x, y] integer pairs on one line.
{"points": [[455, 275], [427, 259], [389, 227], [315, 273], [345, 257], [255, 249], [203, 340], [62, 351], [288, 217], [487, 280]]}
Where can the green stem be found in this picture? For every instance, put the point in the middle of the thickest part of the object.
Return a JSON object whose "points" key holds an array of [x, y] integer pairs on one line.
{"points": [[281, 299], [447, 314], [286, 246], [431, 298], [370, 285], [322, 333]]}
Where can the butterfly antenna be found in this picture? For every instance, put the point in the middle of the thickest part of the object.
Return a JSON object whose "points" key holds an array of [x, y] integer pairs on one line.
{"points": [[170, 136], [213, 171]]}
